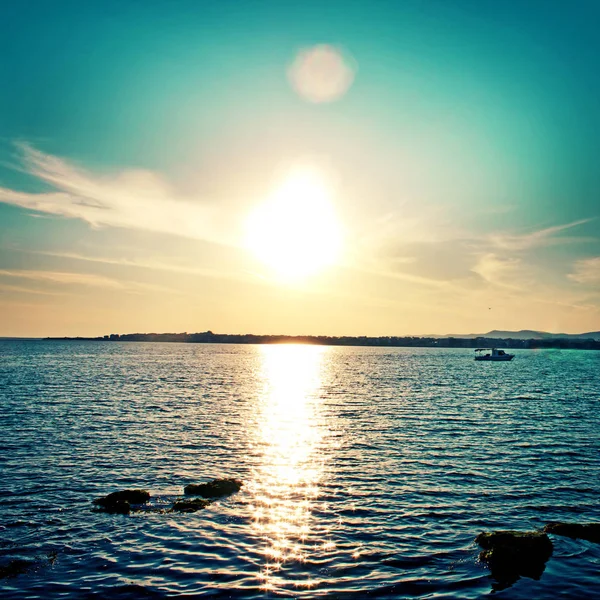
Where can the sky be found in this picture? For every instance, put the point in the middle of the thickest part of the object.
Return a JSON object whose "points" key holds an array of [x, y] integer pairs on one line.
{"points": [[330, 168]]}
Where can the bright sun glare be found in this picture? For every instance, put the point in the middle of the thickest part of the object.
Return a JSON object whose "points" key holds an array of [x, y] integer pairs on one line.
{"points": [[296, 232]]}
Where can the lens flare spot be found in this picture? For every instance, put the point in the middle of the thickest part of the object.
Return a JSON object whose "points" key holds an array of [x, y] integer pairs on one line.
{"points": [[321, 74]]}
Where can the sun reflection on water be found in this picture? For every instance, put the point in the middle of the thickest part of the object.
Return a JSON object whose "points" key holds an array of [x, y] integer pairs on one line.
{"points": [[286, 484]]}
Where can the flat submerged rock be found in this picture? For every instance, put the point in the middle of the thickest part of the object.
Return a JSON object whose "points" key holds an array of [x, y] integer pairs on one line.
{"points": [[190, 505], [214, 489], [20, 566], [577, 531]]}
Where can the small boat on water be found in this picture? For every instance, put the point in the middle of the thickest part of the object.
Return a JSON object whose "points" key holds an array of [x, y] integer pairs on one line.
{"points": [[492, 354]]}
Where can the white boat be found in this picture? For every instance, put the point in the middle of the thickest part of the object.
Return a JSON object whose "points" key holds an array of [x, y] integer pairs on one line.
{"points": [[492, 354]]}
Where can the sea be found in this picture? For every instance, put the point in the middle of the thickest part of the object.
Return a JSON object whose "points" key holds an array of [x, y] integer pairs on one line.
{"points": [[368, 472]]}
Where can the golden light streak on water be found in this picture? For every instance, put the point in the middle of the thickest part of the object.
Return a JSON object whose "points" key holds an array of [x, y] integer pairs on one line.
{"points": [[286, 485]]}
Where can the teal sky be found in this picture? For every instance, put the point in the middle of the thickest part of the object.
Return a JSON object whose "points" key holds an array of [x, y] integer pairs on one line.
{"points": [[136, 137]]}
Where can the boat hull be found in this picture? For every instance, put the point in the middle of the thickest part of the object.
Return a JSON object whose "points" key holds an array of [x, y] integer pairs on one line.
{"points": [[504, 358]]}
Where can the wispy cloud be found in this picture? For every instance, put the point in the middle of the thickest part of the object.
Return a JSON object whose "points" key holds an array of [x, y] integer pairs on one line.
{"points": [[514, 280], [586, 271], [81, 279], [152, 265], [541, 237], [7, 288], [424, 281], [61, 277], [497, 270], [134, 199]]}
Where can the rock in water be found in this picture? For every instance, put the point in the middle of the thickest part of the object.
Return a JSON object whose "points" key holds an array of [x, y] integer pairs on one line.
{"points": [[514, 554], [191, 505], [583, 531], [15, 567], [214, 489], [118, 508], [120, 502], [19, 566]]}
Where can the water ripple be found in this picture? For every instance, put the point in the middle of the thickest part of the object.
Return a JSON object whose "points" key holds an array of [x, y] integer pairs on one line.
{"points": [[368, 471]]}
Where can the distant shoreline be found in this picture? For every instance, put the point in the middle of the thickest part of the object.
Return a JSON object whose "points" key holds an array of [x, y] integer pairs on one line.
{"points": [[208, 337]]}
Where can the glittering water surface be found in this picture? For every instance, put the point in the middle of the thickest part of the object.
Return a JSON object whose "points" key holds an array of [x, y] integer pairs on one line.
{"points": [[368, 472]]}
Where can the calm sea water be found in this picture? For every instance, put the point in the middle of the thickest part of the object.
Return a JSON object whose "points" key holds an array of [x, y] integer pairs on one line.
{"points": [[368, 472]]}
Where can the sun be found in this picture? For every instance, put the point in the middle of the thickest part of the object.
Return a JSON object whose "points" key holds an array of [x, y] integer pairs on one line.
{"points": [[296, 231]]}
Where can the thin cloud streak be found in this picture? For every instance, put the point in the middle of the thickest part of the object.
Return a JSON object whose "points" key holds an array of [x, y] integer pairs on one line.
{"points": [[82, 279], [531, 240], [241, 276], [63, 277], [150, 265], [11, 289]]}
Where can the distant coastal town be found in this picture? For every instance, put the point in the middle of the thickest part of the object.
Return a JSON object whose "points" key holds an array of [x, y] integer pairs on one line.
{"points": [[545, 340]]}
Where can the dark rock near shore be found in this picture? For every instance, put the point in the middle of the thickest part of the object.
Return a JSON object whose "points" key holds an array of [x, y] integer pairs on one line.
{"points": [[127, 501], [514, 554], [131, 496], [20, 566], [15, 567], [117, 508], [582, 531], [120, 502], [214, 489], [190, 505]]}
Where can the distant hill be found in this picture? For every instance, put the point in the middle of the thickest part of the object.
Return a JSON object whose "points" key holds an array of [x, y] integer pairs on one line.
{"points": [[526, 334]]}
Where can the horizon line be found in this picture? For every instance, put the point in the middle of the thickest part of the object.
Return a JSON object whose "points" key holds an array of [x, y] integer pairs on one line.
{"points": [[307, 335]]}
